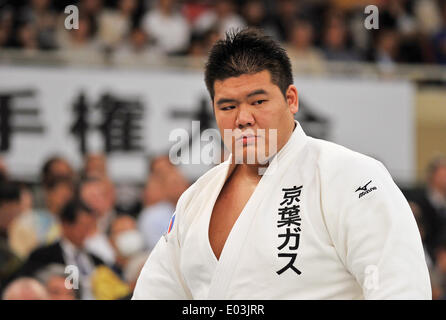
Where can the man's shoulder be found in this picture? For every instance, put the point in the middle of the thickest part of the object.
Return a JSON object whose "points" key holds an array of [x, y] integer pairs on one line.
{"points": [[47, 251], [342, 170], [337, 159]]}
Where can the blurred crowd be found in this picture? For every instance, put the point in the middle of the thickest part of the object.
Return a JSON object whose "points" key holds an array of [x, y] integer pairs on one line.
{"points": [[428, 205], [69, 238], [314, 31]]}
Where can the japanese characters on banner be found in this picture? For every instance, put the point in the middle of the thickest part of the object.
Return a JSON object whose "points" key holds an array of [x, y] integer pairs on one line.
{"points": [[129, 114]]}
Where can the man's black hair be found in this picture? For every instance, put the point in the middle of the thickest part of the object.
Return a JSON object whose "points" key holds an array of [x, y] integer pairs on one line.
{"points": [[248, 51], [9, 192], [46, 174], [54, 181], [72, 210]]}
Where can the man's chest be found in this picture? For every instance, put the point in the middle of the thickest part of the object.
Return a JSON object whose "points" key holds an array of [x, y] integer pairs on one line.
{"points": [[228, 207]]}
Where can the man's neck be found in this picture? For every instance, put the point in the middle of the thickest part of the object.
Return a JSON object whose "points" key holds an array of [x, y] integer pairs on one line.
{"points": [[71, 244], [250, 172]]}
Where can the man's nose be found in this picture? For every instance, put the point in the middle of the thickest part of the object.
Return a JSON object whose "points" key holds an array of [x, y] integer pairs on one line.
{"points": [[244, 118]]}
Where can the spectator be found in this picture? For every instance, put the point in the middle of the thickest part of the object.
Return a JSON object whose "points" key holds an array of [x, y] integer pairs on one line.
{"points": [[395, 15], [77, 220], [114, 25], [81, 45], [168, 29], [54, 277], [58, 191], [91, 8], [95, 165], [154, 219], [438, 276], [254, 14], [433, 272], [27, 38], [439, 39], [222, 16], [137, 51], [37, 227], [23, 239], [301, 49], [163, 189], [335, 40], [56, 166], [284, 18], [126, 240], [201, 44], [428, 16], [6, 26], [25, 289], [42, 20], [418, 215], [10, 209], [432, 203], [386, 49], [97, 194]]}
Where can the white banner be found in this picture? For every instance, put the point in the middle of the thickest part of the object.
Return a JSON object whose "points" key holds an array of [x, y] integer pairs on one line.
{"points": [[372, 117]]}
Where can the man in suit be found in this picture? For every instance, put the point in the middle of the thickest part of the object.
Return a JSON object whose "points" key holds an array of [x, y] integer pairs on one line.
{"points": [[77, 220], [432, 203], [10, 209]]}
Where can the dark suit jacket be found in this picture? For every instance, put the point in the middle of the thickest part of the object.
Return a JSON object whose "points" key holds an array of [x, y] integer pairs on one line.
{"points": [[434, 223], [44, 256]]}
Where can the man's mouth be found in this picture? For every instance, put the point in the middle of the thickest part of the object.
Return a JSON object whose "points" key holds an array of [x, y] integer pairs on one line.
{"points": [[247, 139]]}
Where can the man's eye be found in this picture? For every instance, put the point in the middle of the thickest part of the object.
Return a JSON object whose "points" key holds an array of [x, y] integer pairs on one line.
{"points": [[259, 102], [227, 108]]}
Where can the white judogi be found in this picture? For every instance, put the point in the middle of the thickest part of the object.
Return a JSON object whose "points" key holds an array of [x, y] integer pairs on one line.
{"points": [[333, 216]]}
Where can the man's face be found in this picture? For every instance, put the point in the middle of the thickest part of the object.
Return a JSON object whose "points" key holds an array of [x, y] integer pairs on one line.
{"points": [[251, 102], [60, 195], [8, 212], [61, 168], [57, 290], [96, 197], [80, 229]]}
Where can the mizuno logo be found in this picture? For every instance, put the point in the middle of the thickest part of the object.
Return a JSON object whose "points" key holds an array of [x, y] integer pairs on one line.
{"points": [[365, 190]]}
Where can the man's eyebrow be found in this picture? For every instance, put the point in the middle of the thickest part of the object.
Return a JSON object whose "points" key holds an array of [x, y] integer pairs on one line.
{"points": [[226, 100], [255, 92]]}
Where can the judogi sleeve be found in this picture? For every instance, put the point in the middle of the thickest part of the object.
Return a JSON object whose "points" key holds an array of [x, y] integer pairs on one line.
{"points": [[160, 278], [374, 231]]}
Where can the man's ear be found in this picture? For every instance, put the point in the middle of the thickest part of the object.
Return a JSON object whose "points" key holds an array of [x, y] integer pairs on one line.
{"points": [[292, 98]]}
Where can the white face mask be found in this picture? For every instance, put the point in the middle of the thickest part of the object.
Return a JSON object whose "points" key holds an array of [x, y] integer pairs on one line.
{"points": [[129, 242]]}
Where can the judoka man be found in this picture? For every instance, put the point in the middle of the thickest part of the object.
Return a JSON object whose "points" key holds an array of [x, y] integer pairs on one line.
{"points": [[319, 222]]}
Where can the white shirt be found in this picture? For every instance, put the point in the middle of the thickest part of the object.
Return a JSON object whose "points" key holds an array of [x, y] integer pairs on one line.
{"points": [[171, 33], [351, 234], [100, 246], [74, 256]]}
